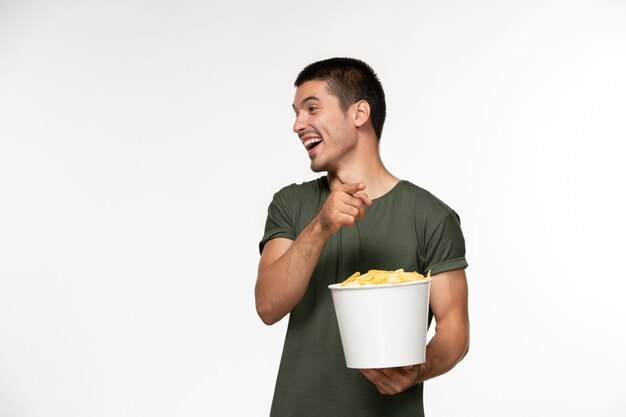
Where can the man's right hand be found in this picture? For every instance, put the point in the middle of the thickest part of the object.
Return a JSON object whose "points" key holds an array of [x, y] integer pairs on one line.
{"points": [[344, 206]]}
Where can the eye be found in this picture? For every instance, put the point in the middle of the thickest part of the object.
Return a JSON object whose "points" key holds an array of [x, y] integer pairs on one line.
{"points": [[312, 109]]}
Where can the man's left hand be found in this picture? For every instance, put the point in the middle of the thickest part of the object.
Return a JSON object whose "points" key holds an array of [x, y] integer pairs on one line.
{"points": [[393, 380]]}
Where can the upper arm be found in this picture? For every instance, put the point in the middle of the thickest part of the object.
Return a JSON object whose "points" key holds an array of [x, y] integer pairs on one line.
{"points": [[273, 250], [448, 298]]}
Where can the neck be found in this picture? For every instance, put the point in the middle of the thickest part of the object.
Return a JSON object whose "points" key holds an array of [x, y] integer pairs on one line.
{"points": [[366, 168]]}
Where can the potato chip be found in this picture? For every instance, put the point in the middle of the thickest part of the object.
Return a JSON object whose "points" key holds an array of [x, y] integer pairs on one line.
{"points": [[379, 276]]}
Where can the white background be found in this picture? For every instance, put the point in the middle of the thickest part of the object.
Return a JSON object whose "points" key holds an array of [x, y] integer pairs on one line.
{"points": [[141, 142]]}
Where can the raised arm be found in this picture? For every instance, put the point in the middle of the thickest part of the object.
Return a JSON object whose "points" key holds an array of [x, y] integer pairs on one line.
{"points": [[286, 266], [284, 272], [448, 300]]}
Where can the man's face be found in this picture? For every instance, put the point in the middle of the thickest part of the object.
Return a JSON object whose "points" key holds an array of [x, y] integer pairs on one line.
{"points": [[326, 131]]}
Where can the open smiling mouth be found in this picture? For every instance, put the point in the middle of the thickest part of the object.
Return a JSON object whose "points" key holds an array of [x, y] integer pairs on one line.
{"points": [[310, 144]]}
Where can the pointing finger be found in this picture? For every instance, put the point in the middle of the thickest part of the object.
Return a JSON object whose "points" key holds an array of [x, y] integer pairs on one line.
{"points": [[352, 188], [364, 198]]}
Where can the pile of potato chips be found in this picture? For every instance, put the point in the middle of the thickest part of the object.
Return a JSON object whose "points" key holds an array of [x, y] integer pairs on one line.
{"points": [[378, 276]]}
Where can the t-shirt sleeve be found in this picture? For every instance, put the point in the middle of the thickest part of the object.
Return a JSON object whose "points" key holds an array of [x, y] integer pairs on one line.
{"points": [[445, 249], [278, 222]]}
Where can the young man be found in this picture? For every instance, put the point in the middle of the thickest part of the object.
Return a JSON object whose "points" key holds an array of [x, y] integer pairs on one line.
{"points": [[356, 218]]}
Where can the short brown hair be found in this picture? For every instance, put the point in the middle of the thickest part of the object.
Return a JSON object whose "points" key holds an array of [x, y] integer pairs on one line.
{"points": [[350, 80]]}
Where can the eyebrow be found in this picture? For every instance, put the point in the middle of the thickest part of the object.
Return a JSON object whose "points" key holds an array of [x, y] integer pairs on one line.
{"points": [[304, 100]]}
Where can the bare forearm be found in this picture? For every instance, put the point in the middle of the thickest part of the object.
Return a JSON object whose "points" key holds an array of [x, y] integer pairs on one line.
{"points": [[448, 347], [282, 283]]}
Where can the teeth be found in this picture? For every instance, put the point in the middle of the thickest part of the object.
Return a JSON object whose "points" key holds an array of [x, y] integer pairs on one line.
{"points": [[310, 142]]}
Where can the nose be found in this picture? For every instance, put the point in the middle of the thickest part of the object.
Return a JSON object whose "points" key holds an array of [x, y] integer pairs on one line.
{"points": [[299, 124]]}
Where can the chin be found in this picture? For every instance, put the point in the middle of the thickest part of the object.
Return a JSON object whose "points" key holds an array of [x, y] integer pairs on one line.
{"points": [[321, 165], [317, 168]]}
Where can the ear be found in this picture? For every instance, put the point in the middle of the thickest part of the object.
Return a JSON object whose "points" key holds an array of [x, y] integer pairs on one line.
{"points": [[361, 113]]}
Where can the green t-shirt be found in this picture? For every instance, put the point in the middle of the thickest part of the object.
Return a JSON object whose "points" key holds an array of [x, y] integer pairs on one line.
{"points": [[406, 228]]}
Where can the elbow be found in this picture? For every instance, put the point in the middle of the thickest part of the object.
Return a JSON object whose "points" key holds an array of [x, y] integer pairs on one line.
{"points": [[465, 346], [269, 306], [466, 350], [266, 313], [467, 338], [459, 344]]}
